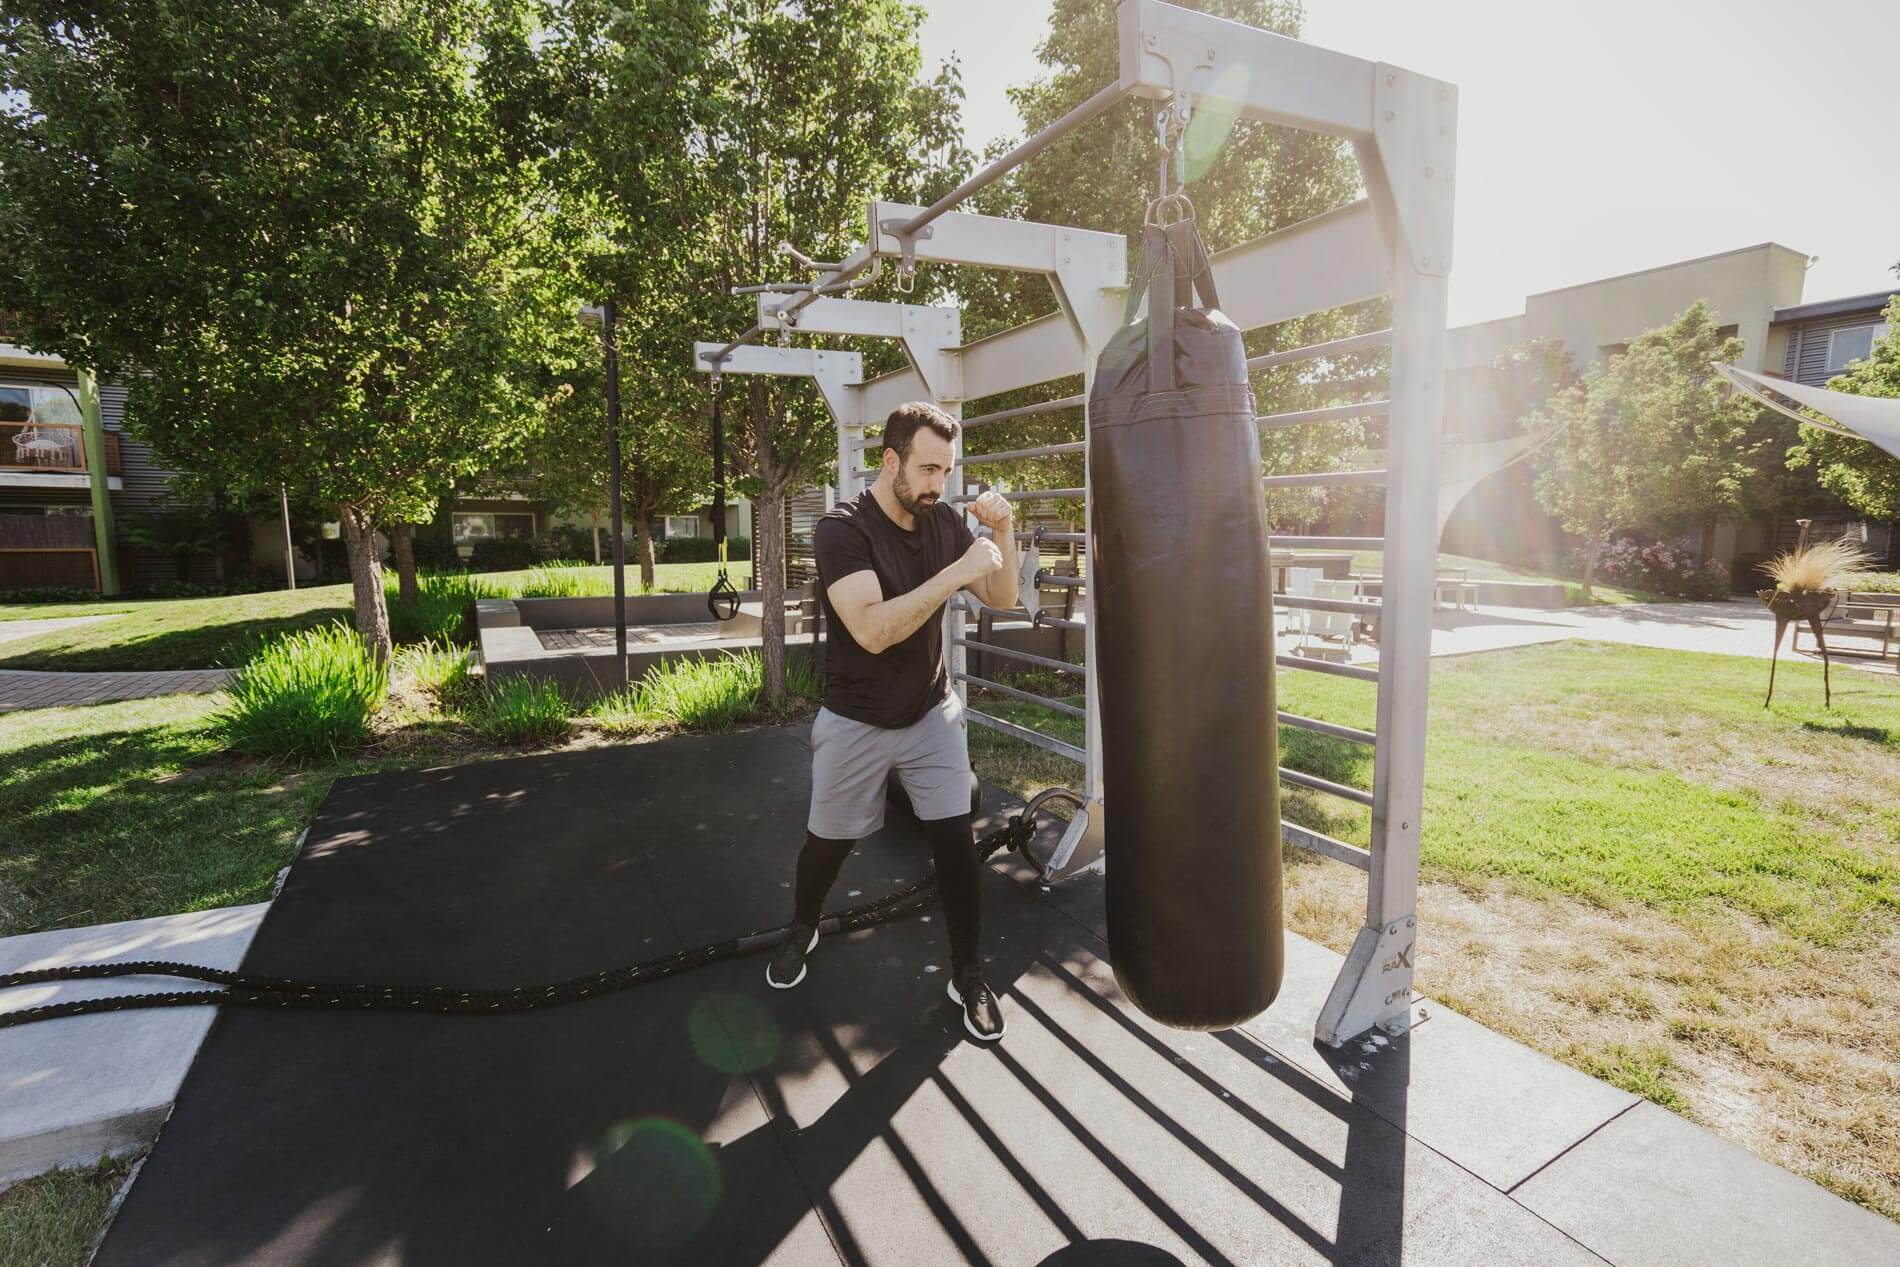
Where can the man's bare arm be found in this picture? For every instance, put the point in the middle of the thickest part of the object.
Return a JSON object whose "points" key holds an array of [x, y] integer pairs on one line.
{"points": [[876, 622]]}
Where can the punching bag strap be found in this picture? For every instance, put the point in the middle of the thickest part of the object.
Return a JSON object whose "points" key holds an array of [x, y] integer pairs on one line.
{"points": [[1161, 306], [1196, 271], [723, 600]]}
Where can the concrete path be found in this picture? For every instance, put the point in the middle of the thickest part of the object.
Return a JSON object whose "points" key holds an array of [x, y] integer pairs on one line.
{"points": [[17, 630], [22, 689], [74, 1089], [1741, 628]]}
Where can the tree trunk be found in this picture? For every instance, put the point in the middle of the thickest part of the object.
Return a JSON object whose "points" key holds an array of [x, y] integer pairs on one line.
{"points": [[366, 580], [768, 544], [402, 544], [1590, 563], [647, 579]]}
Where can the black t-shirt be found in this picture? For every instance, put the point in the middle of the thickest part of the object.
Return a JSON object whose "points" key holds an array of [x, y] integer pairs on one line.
{"points": [[903, 682]]}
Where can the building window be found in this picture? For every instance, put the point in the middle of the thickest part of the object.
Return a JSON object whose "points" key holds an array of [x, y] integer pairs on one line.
{"points": [[1855, 344], [470, 526], [682, 526]]}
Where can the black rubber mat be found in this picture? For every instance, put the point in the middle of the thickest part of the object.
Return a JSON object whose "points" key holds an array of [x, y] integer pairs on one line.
{"points": [[707, 1119]]}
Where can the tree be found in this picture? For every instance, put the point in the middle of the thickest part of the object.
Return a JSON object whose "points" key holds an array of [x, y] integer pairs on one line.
{"points": [[1855, 471], [180, 535], [813, 109], [1245, 178], [302, 234], [1651, 440]]}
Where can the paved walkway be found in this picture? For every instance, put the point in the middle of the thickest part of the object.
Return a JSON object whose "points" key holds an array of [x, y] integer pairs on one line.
{"points": [[16, 630], [23, 689], [1742, 628]]}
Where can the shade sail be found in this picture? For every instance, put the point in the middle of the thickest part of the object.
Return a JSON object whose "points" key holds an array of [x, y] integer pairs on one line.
{"points": [[1875, 419]]}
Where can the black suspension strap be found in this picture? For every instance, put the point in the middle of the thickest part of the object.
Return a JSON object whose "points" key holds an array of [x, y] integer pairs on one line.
{"points": [[723, 599], [242, 989]]}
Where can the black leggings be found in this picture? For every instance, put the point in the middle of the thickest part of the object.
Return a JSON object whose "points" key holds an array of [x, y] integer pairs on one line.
{"points": [[952, 847]]}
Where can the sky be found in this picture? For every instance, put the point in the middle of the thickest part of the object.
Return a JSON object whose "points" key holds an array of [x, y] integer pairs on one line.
{"points": [[1601, 137]]}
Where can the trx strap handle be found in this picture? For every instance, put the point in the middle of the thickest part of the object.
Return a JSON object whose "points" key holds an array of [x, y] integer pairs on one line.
{"points": [[246, 990], [722, 600]]}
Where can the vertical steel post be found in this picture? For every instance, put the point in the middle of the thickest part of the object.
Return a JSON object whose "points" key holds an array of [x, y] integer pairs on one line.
{"points": [[105, 533], [611, 352], [290, 550]]}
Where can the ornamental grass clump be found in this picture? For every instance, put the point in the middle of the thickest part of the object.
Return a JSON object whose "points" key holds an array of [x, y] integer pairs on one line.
{"points": [[711, 694], [519, 710], [563, 580], [1828, 566], [306, 696], [440, 668], [444, 606]]}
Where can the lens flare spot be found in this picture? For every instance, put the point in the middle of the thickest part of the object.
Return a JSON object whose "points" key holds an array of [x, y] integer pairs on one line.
{"points": [[1213, 121], [655, 1183], [733, 1033]]}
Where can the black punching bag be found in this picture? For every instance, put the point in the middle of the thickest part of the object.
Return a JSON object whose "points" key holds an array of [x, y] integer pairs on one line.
{"points": [[1182, 598]]}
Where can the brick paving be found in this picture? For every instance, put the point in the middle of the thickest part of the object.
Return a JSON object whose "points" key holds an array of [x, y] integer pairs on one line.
{"points": [[22, 689]]}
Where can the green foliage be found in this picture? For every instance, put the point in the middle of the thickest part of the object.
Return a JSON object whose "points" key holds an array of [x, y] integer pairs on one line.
{"points": [[53, 1219], [305, 235], [703, 550], [520, 710], [1857, 472], [440, 668], [179, 535], [710, 694], [1651, 441], [444, 606], [305, 697]]}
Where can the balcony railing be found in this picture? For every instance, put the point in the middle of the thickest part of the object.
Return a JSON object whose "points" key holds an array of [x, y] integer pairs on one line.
{"points": [[50, 448]]}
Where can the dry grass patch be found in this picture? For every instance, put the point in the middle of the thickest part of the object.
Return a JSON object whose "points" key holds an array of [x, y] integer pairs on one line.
{"points": [[1781, 1047]]}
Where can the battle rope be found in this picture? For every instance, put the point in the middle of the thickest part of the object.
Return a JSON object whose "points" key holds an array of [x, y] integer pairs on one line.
{"points": [[246, 990], [722, 600]]}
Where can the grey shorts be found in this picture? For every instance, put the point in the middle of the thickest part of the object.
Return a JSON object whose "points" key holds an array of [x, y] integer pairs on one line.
{"points": [[850, 761]]}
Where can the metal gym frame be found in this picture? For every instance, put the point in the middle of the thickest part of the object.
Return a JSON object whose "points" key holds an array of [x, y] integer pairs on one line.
{"points": [[1396, 240]]}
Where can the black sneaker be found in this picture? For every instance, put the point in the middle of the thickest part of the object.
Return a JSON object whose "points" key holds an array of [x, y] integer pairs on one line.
{"points": [[787, 968], [982, 1011]]}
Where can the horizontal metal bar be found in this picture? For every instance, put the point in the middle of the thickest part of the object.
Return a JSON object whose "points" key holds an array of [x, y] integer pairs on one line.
{"points": [[1102, 101], [1317, 784], [1046, 494], [1024, 411], [1328, 543], [1318, 478], [1045, 620], [999, 613], [1337, 347], [1041, 451], [1300, 602], [1010, 653], [1062, 538], [1046, 577], [1328, 728], [1331, 413], [1318, 842], [1028, 736], [1027, 697], [1352, 671]]}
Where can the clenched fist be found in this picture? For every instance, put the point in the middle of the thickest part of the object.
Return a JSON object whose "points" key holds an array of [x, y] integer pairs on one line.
{"points": [[992, 510], [981, 559]]}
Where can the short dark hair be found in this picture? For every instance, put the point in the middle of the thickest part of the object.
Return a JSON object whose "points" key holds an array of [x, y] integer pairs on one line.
{"points": [[901, 427]]}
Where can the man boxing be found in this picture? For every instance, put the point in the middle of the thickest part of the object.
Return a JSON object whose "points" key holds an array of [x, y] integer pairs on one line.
{"points": [[888, 561]]}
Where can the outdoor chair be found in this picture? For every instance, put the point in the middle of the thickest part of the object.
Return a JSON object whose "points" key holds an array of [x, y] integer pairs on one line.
{"points": [[1299, 584], [1326, 625]]}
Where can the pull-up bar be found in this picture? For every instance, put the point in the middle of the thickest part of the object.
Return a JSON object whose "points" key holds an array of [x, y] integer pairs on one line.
{"points": [[866, 255]]}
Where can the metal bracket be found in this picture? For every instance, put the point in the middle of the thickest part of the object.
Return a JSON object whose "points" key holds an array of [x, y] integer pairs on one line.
{"points": [[1375, 985], [907, 251], [1081, 846], [1028, 565], [1415, 125]]}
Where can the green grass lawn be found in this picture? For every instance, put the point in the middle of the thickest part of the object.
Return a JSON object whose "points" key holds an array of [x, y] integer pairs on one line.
{"points": [[1623, 774], [52, 1220], [202, 633]]}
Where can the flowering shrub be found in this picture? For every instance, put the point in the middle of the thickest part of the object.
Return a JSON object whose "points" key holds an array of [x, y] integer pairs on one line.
{"points": [[1661, 569]]}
